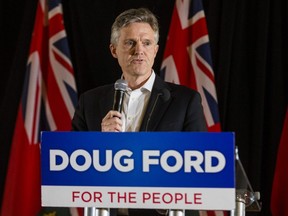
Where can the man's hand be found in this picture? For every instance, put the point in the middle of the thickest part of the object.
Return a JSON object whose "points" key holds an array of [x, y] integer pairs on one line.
{"points": [[112, 122]]}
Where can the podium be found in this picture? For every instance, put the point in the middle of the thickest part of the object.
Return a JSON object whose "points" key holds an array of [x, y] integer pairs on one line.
{"points": [[143, 170]]}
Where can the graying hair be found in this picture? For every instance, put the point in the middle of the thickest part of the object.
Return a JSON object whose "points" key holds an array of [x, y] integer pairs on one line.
{"points": [[140, 15]]}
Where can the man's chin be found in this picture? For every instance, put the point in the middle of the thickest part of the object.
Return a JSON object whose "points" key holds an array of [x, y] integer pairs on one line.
{"points": [[140, 70]]}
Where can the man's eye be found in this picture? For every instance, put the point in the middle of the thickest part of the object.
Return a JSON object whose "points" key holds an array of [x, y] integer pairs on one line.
{"points": [[147, 43], [129, 43]]}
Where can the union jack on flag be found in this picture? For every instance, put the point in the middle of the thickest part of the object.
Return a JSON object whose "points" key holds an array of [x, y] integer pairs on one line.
{"points": [[187, 57], [48, 100]]}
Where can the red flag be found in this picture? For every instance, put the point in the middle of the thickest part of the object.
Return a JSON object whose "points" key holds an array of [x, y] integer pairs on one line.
{"points": [[47, 103], [187, 57], [187, 61], [279, 198]]}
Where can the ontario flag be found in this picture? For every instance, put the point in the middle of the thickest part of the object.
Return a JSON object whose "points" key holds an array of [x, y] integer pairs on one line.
{"points": [[187, 61], [47, 104], [187, 56], [279, 197]]}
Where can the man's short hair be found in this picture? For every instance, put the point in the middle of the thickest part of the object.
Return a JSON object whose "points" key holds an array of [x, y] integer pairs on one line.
{"points": [[140, 15]]}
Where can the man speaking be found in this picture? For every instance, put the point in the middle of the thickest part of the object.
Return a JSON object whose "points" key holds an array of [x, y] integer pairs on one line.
{"points": [[140, 100]]}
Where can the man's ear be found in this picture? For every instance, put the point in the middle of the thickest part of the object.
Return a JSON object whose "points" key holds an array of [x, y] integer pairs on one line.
{"points": [[156, 50], [113, 50]]}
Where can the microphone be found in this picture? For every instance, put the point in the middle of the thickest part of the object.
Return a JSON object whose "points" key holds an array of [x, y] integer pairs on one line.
{"points": [[120, 87], [165, 94]]}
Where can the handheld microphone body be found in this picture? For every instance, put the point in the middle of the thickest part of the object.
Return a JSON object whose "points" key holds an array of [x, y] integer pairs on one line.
{"points": [[120, 87]]}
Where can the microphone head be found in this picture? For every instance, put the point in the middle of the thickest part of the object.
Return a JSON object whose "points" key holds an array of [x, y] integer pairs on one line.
{"points": [[165, 94], [121, 85]]}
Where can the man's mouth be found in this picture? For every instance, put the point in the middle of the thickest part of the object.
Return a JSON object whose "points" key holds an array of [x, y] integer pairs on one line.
{"points": [[137, 61]]}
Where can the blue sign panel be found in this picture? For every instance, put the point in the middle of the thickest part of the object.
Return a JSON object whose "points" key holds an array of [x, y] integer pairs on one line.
{"points": [[144, 159]]}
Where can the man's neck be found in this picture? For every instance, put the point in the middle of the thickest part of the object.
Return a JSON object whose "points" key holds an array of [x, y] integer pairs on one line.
{"points": [[137, 82]]}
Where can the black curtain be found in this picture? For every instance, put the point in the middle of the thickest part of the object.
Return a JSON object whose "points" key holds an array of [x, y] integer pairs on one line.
{"points": [[249, 50]]}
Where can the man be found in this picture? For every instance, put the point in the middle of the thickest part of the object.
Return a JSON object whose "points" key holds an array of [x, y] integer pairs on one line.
{"points": [[150, 104]]}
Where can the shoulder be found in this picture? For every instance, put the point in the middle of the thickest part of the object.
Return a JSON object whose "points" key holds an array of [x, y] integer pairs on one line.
{"points": [[173, 88], [101, 90], [181, 90]]}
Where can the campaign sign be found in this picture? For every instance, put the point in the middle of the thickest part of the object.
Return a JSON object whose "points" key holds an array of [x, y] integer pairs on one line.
{"points": [[155, 170]]}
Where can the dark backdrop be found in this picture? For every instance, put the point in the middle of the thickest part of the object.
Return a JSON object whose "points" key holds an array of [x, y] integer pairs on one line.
{"points": [[249, 51]]}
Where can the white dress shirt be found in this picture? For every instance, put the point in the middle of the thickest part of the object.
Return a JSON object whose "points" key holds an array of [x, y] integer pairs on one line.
{"points": [[135, 104]]}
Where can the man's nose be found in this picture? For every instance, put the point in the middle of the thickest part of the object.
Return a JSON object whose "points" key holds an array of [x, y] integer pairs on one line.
{"points": [[139, 49]]}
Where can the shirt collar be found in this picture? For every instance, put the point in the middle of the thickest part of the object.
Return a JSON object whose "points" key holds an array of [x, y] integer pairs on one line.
{"points": [[148, 85]]}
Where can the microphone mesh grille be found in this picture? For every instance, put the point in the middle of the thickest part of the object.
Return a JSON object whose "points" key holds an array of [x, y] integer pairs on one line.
{"points": [[121, 85]]}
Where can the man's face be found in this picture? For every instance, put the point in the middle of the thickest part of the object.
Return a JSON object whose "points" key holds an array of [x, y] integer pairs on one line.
{"points": [[136, 50]]}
